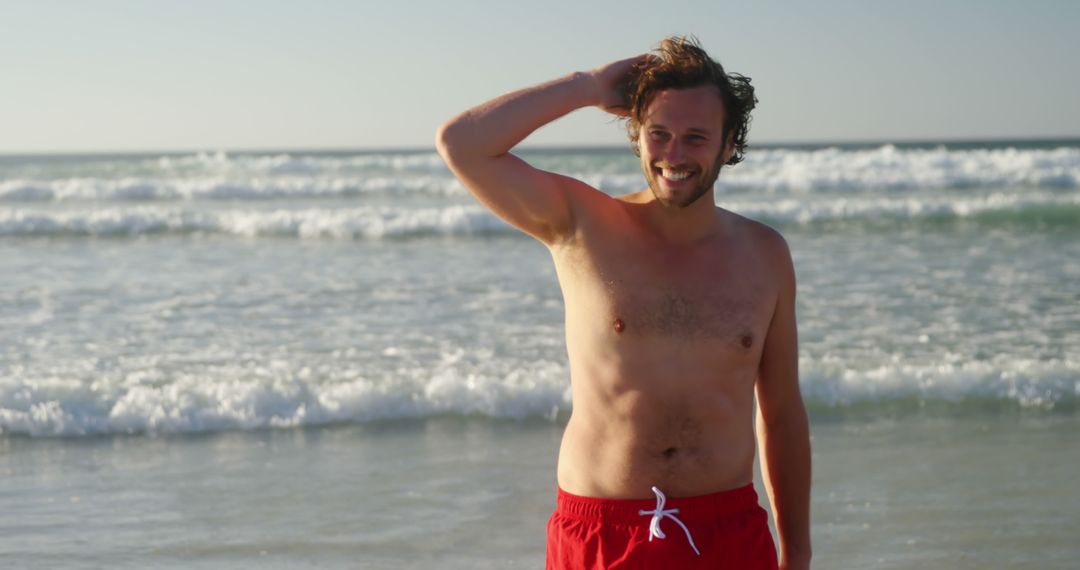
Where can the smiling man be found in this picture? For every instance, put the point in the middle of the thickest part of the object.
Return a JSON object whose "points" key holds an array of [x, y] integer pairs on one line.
{"points": [[678, 313]]}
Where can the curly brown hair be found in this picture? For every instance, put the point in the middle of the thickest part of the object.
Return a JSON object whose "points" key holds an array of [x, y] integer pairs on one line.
{"points": [[679, 62]]}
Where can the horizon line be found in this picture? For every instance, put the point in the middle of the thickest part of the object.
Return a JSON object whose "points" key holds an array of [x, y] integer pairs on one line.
{"points": [[532, 147]]}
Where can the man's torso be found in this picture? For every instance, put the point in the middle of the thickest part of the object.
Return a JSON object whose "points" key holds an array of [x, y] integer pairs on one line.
{"points": [[664, 345]]}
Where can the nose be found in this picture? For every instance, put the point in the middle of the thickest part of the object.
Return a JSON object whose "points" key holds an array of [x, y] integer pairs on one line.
{"points": [[676, 151]]}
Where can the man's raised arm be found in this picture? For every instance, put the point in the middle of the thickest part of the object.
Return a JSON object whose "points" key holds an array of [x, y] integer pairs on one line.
{"points": [[476, 146]]}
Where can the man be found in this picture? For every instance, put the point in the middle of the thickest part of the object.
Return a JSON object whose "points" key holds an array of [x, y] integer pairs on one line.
{"points": [[677, 313]]}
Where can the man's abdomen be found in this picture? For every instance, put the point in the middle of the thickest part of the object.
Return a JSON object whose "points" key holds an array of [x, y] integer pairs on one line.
{"points": [[687, 445]]}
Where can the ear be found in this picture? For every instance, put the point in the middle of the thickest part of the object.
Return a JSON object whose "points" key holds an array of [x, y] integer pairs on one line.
{"points": [[729, 148]]}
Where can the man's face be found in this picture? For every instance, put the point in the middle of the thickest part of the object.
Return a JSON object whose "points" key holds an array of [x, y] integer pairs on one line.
{"points": [[681, 143]]}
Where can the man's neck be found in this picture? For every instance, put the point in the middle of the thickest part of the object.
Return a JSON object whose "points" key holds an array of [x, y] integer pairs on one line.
{"points": [[682, 227]]}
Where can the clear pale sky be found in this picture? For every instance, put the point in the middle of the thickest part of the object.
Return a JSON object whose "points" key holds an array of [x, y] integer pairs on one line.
{"points": [[199, 75]]}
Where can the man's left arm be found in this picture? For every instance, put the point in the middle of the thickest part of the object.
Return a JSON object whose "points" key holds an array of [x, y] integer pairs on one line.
{"points": [[782, 426]]}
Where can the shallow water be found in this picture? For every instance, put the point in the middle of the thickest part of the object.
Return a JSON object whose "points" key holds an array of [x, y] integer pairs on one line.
{"points": [[922, 492]]}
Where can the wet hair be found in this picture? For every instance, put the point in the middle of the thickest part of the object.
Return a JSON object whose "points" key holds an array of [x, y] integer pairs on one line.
{"points": [[679, 62]]}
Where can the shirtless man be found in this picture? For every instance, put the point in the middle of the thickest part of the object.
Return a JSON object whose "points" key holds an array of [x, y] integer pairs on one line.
{"points": [[677, 313]]}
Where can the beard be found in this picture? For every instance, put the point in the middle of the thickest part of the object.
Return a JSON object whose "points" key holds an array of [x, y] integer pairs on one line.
{"points": [[704, 184]]}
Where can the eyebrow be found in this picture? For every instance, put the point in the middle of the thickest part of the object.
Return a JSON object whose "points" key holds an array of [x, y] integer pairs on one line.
{"points": [[694, 130]]}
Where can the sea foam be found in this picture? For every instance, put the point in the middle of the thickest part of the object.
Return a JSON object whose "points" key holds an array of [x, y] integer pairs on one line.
{"points": [[346, 223], [280, 394], [221, 188], [377, 222], [272, 394], [890, 168], [783, 171]]}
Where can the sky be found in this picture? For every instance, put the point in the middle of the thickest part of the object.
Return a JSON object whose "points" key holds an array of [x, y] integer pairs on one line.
{"points": [[144, 76]]}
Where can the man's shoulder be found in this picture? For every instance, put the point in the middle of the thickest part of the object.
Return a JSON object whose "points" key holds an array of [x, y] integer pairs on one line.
{"points": [[763, 237], [765, 243]]}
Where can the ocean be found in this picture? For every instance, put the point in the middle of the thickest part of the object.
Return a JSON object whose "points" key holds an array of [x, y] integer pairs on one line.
{"points": [[339, 359]]}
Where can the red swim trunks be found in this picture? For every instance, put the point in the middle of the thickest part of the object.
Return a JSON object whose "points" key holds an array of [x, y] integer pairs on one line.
{"points": [[721, 530]]}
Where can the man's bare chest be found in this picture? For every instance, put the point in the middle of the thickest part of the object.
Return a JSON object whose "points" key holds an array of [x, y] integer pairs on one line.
{"points": [[706, 311], [710, 299]]}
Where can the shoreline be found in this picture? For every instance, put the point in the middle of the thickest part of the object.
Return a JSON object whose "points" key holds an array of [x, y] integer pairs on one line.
{"points": [[915, 492]]}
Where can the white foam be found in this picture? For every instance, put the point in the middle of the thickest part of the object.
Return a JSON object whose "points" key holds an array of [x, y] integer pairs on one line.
{"points": [[344, 223], [1029, 383], [890, 168], [784, 172], [368, 222], [221, 188], [274, 393], [222, 162], [910, 207]]}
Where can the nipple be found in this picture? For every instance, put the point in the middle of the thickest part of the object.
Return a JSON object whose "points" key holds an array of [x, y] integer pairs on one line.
{"points": [[618, 325], [747, 341]]}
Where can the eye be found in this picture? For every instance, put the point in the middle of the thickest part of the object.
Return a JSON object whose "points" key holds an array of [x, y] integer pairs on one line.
{"points": [[658, 135]]}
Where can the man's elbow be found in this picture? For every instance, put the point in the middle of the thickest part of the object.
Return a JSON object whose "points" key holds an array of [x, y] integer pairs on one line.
{"points": [[451, 139], [444, 138]]}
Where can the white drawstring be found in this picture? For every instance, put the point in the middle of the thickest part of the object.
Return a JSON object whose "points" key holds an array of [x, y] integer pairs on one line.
{"points": [[659, 514]]}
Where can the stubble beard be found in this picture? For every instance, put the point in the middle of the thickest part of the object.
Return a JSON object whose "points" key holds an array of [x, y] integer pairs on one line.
{"points": [[705, 183]]}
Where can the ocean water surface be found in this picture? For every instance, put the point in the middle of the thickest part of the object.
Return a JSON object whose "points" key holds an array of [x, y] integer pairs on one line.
{"points": [[358, 319]]}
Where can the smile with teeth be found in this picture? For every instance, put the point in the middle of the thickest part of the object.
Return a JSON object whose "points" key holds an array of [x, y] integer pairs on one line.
{"points": [[675, 175]]}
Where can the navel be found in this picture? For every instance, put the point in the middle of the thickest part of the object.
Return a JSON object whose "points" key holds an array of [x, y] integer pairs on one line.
{"points": [[618, 325]]}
